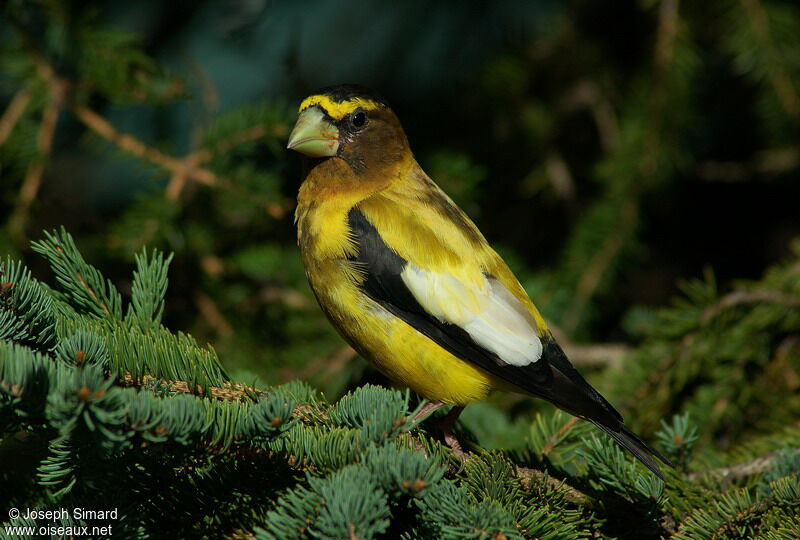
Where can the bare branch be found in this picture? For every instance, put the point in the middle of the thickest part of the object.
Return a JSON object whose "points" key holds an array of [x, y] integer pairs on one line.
{"points": [[597, 354], [14, 112], [33, 176], [211, 313], [767, 163], [560, 177], [591, 354], [131, 144], [748, 297], [740, 470]]}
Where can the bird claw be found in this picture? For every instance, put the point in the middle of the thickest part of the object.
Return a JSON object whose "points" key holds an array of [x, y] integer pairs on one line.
{"points": [[455, 448], [445, 424]]}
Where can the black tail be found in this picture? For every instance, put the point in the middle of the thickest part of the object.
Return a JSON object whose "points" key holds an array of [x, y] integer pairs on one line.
{"points": [[569, 390]]}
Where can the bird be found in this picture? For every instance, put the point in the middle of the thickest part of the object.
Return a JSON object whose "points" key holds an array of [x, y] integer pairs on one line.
{"points": [[410, 282]]}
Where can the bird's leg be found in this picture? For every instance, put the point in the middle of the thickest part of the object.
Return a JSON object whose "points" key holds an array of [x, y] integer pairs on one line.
{"points": [[446, 424], [429, 407]]}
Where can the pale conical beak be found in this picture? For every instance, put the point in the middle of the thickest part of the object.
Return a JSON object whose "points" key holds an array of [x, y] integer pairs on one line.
{"points": [[314, 135]]}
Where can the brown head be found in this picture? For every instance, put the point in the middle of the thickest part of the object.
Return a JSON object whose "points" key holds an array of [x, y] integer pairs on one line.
{"points": [[353, 124]]}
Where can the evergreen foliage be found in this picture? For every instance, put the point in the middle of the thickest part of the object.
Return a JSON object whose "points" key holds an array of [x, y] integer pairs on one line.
{"points": [[198, 450], [575, 172]]}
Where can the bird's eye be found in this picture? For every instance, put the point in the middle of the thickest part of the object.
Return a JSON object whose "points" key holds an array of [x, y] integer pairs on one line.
{"points": [[358, 119]]}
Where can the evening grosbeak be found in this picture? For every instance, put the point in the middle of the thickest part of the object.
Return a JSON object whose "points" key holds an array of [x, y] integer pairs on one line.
{"points": [[411, 283]]}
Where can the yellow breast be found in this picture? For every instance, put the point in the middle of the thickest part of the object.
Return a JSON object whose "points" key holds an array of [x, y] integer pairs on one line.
{"points": [[391, 345]]}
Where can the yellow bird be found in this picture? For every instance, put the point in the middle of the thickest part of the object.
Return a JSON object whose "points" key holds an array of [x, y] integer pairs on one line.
{"points": [[411, 283]]}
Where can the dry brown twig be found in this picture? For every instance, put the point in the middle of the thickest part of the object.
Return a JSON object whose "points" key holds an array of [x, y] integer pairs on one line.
{"points": [[740, 470], [329, 363], [228, 392], [766, 164], [189, 167], [592, 354], [134, 146], [13, 113], [211, 313], [737, 298], [44, 145]]}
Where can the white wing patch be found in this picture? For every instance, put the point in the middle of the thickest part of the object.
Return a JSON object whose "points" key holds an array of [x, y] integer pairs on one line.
{"points": [[492, 316]]}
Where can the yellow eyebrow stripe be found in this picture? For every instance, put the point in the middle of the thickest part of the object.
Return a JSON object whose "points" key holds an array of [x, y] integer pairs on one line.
{"points": [[337, 111]]}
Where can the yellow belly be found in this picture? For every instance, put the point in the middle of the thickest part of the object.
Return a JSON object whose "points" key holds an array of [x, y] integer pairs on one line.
{"points": [[393, 346]]}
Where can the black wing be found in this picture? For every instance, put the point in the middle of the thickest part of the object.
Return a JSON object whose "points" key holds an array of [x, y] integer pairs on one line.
{"points": [[552, 377]]}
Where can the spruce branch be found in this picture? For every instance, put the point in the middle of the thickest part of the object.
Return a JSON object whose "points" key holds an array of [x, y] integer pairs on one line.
{"points": [[229, 391], [556, 438], [570, 493]]}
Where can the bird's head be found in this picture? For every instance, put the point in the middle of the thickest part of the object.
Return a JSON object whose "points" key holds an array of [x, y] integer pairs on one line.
{"points": [[351, 123]]}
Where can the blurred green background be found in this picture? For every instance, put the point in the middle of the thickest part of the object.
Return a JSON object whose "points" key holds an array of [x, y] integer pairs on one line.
{"points": [[608, 149]]}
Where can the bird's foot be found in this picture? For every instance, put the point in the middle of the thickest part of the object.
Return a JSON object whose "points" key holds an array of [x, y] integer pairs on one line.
{"points": [[455, 447], [446, 424]]}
